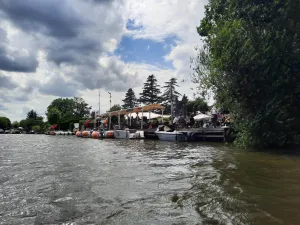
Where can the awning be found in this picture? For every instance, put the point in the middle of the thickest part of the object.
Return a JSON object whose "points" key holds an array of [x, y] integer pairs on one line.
{"points": [[145, 108]]}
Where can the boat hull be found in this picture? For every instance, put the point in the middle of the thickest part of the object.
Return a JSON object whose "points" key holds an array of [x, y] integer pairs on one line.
{"points": [[126, 134], [170, 136]]}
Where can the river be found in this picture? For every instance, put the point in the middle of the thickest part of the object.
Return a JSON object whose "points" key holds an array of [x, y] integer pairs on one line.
{"points": [[70, 180]]}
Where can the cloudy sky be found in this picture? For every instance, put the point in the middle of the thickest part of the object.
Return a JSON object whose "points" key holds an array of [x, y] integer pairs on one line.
{"points": [[55, 48]]}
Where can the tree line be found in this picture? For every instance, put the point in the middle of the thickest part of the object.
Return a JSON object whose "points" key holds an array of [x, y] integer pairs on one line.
{"points": [[152, 94], [250, 61], [62, 111], [67, 111]]}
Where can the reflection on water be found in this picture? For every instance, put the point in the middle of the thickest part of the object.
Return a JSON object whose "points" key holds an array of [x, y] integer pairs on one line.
{"points": [[64, 180]]}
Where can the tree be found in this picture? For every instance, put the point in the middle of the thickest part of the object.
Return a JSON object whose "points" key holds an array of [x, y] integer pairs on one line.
{"points": [[70, 109], [93, 113], [5, 123], [15, 124], [170, 95], [151, 91], [31, 115], [199, 104], [115, 107], [36, 128], [24, 124], [54, 116], [130, 100], [250, 61], [82, 109]]}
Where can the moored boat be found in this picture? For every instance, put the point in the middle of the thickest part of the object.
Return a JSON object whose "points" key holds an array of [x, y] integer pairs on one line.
{"points": [[128, 134], [170, 136]]}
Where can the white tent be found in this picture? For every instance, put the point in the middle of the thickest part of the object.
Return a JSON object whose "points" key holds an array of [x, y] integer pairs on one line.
{"points": [[149, 115], [201, 117]]}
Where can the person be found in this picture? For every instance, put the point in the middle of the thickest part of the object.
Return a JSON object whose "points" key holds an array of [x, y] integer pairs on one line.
{"points": [[175, 121]]}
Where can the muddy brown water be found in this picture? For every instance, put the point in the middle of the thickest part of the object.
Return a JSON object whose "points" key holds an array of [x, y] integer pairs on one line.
{"points": [[70, 180]]}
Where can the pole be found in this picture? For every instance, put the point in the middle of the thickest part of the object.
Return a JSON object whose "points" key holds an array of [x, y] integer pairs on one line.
{"points": [[109, 100], [142, 118]]}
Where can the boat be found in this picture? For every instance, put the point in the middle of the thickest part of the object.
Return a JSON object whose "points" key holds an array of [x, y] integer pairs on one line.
{"points": [[128, 134], [171, 136]]}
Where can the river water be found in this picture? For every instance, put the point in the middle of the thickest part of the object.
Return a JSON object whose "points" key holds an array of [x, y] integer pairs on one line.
{"points": [[70, 180]]}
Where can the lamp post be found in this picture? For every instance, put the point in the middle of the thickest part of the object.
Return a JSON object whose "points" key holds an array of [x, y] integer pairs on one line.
{"points": [[109, 100]]}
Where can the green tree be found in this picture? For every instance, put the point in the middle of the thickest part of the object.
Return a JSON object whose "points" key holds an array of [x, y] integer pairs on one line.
{"points": [[31, 115], [24, 124], [93, 113], [54, 116], [151, 91], [36, 128], [115, 107], [170, 94], [70, 109], [5, 123], [250, 61], [15, 124], [82, 109], [199, 104], [130, 100]]}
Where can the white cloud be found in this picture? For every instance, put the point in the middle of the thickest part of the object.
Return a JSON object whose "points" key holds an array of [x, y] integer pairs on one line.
{"points": [[87, 56]]}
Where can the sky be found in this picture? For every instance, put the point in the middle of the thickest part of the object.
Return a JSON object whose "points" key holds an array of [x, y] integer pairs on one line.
{"points": [[52, 48]]}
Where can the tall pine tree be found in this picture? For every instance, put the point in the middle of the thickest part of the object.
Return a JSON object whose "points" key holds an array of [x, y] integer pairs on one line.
{"points": [[170, 95], [151, 92], [130, 100]]}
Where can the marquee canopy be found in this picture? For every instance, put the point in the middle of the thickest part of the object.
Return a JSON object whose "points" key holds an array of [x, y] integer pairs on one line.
{"points": [[145, 108]]}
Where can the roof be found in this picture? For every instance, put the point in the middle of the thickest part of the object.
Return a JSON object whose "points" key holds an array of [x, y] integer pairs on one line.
{"points": [[145, 108]]}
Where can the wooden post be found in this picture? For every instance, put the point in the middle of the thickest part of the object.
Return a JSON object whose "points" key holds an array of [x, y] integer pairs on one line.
{"points": [[142, 118]]}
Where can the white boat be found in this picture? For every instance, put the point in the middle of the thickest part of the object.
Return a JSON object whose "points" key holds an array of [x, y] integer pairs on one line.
{"points": [[128, 134], [170, 136]]}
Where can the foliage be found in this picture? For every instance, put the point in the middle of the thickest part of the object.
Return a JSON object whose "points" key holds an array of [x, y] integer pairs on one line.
{"points": [[81, 108], [115, 107], [54, 115], [5, 123], [250, 61], [36, 128], [70, 109], [24, 124], [31, 114], [15, 124], [151, 91], [199, 104], [170, 94], [130, 100], [93, 114]]}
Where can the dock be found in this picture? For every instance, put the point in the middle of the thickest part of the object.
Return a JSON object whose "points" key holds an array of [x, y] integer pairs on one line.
{"points": [[200, 134]]}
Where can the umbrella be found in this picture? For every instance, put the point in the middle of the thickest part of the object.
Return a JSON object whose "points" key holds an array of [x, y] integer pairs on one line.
{"points": [[201, 117]]}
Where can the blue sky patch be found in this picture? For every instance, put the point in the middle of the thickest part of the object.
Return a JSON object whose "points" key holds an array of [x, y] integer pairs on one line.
{"points": [[146, 51], [131, 25]]}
